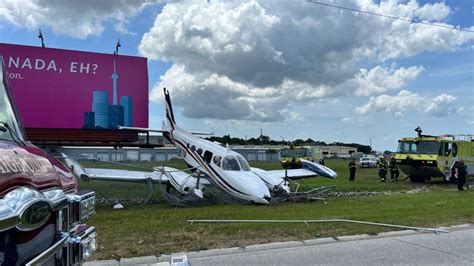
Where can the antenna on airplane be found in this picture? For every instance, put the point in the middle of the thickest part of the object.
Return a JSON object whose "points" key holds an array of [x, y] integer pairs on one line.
{"points": [[117, 47], [40, 35]]}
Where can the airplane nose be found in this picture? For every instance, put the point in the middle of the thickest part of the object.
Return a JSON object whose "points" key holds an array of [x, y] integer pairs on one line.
{"points": [[265, 200]]}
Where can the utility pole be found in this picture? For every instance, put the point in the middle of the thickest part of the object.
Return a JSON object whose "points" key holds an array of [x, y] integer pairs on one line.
{"points": [[40, 35], [370, 140]]}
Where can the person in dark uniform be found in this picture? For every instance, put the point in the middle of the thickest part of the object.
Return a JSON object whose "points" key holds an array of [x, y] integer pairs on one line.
{"points": [[293, 163], [382, 165], [452, 177], [321, 161], [460, 174], [394, 172], [352, 170]]}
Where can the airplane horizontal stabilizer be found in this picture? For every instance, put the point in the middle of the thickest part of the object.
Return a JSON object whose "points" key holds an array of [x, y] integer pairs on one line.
{"points": [[144, 129]]}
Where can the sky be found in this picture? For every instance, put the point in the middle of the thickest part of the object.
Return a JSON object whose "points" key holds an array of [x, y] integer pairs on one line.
{"points": [[292, 69]]}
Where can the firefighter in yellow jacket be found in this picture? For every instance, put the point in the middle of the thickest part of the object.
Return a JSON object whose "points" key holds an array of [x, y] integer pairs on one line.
{"points": [[383, 166]]}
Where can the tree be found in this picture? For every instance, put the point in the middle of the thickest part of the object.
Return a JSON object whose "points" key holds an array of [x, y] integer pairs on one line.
{"points": [[227, 139]]}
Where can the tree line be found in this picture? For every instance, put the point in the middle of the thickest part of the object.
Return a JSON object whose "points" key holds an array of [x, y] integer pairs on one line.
{"points": [[266, 140]]}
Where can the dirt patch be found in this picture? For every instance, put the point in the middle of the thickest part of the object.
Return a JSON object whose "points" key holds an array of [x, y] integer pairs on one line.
{"points": [[375, 193]]}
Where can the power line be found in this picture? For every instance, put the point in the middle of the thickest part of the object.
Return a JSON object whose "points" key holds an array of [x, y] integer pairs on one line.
{"points": [[389, 16]]}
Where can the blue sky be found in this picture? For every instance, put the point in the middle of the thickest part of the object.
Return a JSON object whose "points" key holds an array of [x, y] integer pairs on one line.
{"points": [[294, 69]]}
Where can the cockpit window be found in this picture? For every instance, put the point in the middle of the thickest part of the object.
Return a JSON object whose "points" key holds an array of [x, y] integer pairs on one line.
{"points": [[217, 160], [243, 163], [230, 163], [421, 147]]}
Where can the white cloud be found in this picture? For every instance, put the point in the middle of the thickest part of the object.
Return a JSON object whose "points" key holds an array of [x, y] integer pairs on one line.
{"points": [[248, 60], [77, 19], [441, 105], [406, 102], [380, 80], [348, 120], [394, 38], [206, 95], [433, 12], [217, 97], [225, 38]]}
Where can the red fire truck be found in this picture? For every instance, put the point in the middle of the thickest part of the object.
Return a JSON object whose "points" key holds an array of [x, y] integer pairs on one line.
{"points": [[41, 210]]}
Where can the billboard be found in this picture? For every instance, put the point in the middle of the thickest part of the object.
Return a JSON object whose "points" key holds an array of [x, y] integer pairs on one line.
{"points": [[64, 89]]}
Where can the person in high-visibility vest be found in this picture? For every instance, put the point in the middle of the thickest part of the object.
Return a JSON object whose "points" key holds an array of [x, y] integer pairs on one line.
{"points": [[382, 165]]}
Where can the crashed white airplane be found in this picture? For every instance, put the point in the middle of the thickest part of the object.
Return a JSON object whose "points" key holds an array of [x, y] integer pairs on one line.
{"points": [[214, 165]]}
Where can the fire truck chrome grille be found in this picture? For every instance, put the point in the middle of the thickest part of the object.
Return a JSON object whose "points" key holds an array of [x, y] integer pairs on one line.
{"points": [[18, 247], [27, 209]]}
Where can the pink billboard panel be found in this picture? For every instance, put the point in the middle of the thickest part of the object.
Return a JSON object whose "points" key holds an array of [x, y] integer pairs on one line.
{"points": [[67, 89]]}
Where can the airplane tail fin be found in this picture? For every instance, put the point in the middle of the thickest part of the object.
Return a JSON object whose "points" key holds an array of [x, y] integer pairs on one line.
{"points": [[169, 109]]}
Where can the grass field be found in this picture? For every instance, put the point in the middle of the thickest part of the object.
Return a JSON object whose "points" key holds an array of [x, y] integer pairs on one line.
{"points": [[139, 230]]}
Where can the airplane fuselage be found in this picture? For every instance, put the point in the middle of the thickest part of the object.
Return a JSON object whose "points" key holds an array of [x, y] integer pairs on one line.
{"points": [[227, 169], [219, 165]]}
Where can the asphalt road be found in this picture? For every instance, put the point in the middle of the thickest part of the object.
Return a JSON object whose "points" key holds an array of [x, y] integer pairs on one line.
{"points": [[454, 248]]}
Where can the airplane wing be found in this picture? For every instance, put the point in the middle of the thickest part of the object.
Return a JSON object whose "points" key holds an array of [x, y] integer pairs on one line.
{"points": [[183, 182], [124, 175], [309, 169], [160, 174], [319, 169], [291, 173]]}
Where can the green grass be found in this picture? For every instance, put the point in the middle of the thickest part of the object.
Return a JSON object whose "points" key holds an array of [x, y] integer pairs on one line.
{"points": [[141, 230]]}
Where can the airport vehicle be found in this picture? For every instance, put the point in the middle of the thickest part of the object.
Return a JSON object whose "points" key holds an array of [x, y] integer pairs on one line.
{"points": [[212, 164], [369, 162], [41, 211], [424, 157]]}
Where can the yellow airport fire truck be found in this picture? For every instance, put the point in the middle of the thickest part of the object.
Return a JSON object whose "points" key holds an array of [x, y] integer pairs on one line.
{"points": [[424, 157]]}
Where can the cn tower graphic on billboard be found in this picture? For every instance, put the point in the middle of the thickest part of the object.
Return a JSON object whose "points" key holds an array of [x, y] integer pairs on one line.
{"points": [[104, 115]]}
